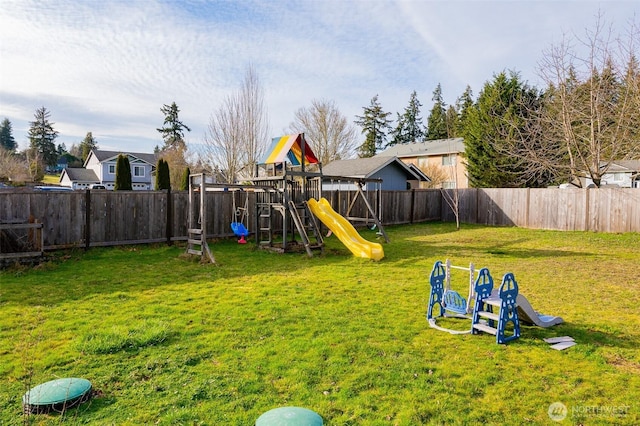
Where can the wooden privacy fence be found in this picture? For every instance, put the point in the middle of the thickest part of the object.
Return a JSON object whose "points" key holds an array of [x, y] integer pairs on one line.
{"points": [[99, 218], [571, 209]]}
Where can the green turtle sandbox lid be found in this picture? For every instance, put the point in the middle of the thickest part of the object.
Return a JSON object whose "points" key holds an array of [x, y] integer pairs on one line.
{"points": [[56, 395], [289, 416]]}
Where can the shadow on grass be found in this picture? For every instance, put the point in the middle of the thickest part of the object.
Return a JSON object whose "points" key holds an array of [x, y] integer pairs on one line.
{"points": [[476, 253], [583, 334]]}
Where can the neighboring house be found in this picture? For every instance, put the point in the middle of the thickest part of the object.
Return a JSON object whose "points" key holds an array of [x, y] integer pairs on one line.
{"points": [[395, 174], [621, 173], [103, 166], [61, 164], [78, 178], [441, 160]]}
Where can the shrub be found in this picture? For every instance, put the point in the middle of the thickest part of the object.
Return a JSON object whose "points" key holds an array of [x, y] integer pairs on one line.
{"points": [[163, 178], [123, 174], [184, 185]]}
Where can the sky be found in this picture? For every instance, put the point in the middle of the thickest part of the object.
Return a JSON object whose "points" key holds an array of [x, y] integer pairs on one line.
{"points": [[108, 66]]}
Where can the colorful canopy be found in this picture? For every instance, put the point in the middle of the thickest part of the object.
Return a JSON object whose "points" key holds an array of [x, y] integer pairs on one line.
{"points": [[289, 146]]}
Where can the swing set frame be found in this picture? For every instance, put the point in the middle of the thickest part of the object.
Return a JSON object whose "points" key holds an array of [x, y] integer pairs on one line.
{"points": [[450, 303]]}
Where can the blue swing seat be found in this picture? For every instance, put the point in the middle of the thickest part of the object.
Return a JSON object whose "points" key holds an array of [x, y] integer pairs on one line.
{"points": [[239, 229], [452, 301]]}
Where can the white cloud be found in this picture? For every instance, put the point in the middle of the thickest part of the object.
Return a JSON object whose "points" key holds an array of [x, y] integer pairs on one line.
{"points": [[108, 67]]}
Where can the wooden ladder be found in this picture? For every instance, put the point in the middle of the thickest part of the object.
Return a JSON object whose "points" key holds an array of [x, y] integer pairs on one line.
{"points": [[197, 244], [196, 230], [302, 229], [265, 223]]}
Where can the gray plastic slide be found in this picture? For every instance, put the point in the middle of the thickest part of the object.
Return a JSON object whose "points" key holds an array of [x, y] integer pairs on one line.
{"points": [[528, 315]]}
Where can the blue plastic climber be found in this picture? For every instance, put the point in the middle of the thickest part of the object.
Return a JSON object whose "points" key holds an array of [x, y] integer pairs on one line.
{"points": [[506, 300], [483, 288], [436, 280]]}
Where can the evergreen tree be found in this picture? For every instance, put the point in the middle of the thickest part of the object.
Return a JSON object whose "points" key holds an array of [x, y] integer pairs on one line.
{"points": [[7, 140], [159, 174], [123, 174], [42, 138], [184, 184], [452, 119], [437, 121], [72, 160], [167, 176], [87, 144], [163, 178], [500, 112], [463, 105], [631, 84], [375, 123], [410, 127], [173, 130]]}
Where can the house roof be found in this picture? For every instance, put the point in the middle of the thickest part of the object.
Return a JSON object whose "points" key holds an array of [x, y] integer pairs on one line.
{"points": [[366, 167], [80, 174], [426, 148], [624, 166], [108, 155]]}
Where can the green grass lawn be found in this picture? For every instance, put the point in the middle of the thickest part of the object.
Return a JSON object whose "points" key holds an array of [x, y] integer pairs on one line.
{"points": [[51, 179], [165, 340]]}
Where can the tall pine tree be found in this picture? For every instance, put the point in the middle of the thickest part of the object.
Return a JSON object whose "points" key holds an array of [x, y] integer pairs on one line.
{"points": [[88, 143], [452, 119], [409, 127], [375, 125], [463, 105], [173, 130], [42, 138], [489, 127], [7, 140], [437, 121]]}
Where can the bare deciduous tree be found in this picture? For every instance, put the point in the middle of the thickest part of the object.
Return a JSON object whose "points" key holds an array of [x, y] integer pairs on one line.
{"points": [[254, 121], [436, 174], [331, 135], [452, 196], [13, 166], [223, 147], [590, 113], [237, 134]]}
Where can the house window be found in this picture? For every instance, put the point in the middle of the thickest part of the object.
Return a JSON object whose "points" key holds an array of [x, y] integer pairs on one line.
{"points": [[449, 160], [448, 185], [138, 171], [618, 177], [112, 169]]}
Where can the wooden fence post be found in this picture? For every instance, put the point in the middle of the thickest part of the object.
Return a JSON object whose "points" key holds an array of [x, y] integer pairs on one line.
{"points": [[587, 222], [413, 205], [527, 206], [169, 216], [87, 219]]}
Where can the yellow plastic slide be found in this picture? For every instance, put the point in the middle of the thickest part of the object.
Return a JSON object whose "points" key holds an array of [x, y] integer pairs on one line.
{"points": [[345, 232]]}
